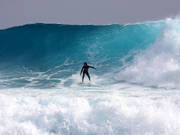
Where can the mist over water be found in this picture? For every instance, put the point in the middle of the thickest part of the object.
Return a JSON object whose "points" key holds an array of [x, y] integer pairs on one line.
{"points": [[134, 91]]}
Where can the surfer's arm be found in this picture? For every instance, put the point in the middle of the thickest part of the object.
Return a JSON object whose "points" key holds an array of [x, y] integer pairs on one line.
{"points": [[92, 67], [81, 70]]}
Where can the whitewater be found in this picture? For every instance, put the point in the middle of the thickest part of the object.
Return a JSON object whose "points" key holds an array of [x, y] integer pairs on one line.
{"points": [[134, 91]]}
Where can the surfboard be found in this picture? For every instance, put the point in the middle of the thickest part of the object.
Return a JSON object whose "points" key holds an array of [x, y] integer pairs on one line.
{"points": [[86, 84]]}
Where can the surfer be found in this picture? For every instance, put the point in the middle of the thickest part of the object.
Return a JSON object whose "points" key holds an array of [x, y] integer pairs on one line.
{"points": [[85, 71]]}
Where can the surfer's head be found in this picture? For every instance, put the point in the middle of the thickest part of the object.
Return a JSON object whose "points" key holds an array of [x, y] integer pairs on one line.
{"points": [[85, 63]]}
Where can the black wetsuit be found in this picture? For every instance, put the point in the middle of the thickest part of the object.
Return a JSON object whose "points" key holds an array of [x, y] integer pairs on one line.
{"points": [[85, 71]]}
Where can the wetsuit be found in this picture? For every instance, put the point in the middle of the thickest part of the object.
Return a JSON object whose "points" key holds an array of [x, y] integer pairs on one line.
{"points": [[85, 71]]}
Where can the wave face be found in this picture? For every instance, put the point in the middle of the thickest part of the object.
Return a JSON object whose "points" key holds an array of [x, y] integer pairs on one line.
{"points": [[57, 51]]}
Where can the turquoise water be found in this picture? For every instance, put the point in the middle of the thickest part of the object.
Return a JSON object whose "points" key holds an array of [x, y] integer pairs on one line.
{"points": [[58, 51]]}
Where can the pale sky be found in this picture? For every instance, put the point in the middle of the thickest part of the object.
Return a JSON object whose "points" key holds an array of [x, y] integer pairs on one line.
{"points": [[18, 12]]}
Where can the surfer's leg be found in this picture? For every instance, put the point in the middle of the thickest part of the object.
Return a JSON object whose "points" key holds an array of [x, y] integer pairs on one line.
{"points": [[88, 76], [83, 77]]}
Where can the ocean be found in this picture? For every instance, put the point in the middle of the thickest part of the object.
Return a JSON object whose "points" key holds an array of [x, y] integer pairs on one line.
{"points": [[135, 89]]}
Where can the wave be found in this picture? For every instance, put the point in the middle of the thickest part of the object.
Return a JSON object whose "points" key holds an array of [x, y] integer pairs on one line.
{"points": [[49, 54]]}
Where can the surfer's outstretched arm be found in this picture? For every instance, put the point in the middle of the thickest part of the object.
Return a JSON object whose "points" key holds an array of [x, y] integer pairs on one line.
{"points": [[81, 70], [92, 67]]}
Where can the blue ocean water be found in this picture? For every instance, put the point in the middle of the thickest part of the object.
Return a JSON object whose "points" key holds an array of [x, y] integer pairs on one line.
{"points": [[134, 91], [51, 48]]}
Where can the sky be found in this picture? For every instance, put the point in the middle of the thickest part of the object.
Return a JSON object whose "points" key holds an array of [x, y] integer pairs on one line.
{"points": [[19, 12]]}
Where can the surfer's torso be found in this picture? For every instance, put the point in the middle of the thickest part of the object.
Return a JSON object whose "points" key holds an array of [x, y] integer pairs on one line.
{"points": [[85, 68]]}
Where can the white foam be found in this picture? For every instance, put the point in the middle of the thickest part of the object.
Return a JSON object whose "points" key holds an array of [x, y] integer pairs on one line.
{"points": [[158, 65], [56, 112]]}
